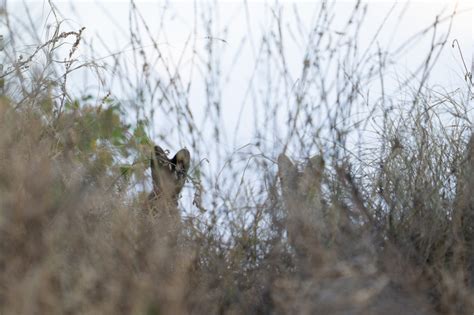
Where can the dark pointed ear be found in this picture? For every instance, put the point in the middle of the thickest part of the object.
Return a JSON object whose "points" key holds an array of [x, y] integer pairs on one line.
{"points": [[160, 153], [182, 161], [157, 160]]}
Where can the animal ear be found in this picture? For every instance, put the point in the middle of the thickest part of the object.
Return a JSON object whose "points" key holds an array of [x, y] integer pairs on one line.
{"points": [[315, 166], [287, 171], [181, 161], [158, 159], [160, 154], [312, 176], [180, 164]]}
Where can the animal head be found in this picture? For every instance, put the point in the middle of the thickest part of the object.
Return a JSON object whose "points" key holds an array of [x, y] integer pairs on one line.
{"points": [[169, 175], [296, 184], [301, 192]]}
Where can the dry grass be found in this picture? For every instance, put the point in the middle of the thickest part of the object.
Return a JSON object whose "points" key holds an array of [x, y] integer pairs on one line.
{"points": [[365, 226]]}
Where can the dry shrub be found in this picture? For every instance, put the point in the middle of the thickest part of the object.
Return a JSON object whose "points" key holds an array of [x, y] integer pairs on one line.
{"points": [[366, 228], [71, 245]]}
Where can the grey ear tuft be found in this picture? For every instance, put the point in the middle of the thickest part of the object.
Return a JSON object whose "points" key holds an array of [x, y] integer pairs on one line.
{"points": [[284, 163], [287, 171], [315, 166]]}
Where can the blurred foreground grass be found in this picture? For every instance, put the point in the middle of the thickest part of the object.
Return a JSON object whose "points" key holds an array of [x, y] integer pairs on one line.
{"points": [[364, 227]]}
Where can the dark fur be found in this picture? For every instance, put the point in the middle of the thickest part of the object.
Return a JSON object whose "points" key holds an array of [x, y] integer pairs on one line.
{"points": [[169, 175]]}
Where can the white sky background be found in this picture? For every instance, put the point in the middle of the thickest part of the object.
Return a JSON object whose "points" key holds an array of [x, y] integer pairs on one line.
{"points": [[242, 28], [108, 20]]}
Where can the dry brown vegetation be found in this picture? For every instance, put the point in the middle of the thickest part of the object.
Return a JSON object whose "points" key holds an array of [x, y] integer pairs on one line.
{"points": [[379, 226]]}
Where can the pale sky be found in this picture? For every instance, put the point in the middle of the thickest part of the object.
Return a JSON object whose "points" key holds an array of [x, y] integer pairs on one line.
{"points": [[241, 29], [106, 23]]}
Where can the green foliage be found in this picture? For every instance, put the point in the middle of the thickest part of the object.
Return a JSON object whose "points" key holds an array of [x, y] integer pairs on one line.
{"points": [[99, 135]]}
